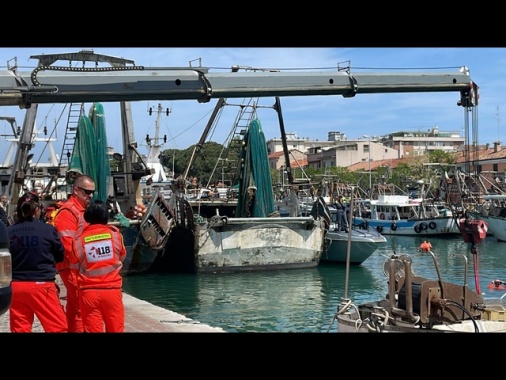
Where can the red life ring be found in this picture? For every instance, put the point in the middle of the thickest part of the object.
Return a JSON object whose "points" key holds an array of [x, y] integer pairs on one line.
{"points": [[382, 216], [497, 284]]}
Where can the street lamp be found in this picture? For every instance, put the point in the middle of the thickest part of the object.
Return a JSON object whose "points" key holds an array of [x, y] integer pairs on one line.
{"points": [[370, 181]]}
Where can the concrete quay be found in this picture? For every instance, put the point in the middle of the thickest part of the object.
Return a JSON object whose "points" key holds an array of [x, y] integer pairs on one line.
{"points": [[140, 317]]}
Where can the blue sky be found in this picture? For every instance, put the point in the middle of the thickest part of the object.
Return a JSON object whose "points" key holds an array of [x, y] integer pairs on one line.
{"points": [[311, 116]]}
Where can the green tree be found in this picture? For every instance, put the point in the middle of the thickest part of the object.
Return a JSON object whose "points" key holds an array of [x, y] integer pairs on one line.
{"points": [[204, 167]]}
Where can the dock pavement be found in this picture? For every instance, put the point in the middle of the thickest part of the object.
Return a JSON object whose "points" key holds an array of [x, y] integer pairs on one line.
{"points": [[140, 316]]}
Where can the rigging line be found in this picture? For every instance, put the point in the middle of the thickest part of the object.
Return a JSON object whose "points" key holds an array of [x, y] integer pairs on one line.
{"points": [[37, 130], [226, 146], [191, 126], [298, 165], [166, 125], [52, 132]]}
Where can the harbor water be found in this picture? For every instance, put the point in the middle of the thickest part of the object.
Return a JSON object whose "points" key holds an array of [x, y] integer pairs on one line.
{"points": [[306, 300]]}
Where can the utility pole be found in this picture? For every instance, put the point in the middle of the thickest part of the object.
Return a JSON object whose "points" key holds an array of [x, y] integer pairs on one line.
{"points": [[370, 176]]}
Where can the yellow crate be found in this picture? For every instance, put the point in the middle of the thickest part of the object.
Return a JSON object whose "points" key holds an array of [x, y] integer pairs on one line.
{"points": [[494, 315]]}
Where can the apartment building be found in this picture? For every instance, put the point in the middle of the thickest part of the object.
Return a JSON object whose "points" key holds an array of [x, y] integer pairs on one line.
{"points": [[303, 144], [349, 152], [337, 150], [420, 142]]}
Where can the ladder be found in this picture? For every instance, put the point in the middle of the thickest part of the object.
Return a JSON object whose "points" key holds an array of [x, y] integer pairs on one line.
{"points": [[76, 110], [231, 155]]}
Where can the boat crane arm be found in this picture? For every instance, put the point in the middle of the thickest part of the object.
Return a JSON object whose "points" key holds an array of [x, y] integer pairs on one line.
{"points": [[58, 84]]}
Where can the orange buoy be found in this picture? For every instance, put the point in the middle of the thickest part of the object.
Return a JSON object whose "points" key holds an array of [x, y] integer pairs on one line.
{"points": [[497, 284], [425, 246]]}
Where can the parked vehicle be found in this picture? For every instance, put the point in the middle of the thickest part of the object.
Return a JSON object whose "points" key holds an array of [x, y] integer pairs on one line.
{"points": [[5, 271]]}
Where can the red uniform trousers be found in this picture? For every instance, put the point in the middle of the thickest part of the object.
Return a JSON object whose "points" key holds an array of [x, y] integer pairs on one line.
{"points": [[36, 298], [74, 319], [102, 307]]}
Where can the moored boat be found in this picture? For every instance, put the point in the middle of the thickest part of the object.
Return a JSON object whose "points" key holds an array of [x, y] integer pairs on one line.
{"points": [[256, 237], [426, 305], [363, 242], [253, 244], [85, 151], [493, 211], [400, 215]]}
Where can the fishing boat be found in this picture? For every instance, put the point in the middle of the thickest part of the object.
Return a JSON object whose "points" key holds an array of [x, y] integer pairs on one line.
{"points": [[493, 211], [401, 215], [85, 151], [427, 305], [363, 242], [158, 180], [256, 237]]}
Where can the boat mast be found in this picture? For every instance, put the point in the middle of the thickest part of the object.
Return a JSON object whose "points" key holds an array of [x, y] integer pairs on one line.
{"points": [[153, 161]]}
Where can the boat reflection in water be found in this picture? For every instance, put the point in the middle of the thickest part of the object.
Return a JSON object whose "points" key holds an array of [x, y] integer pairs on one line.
{"points": [[276, 301]]}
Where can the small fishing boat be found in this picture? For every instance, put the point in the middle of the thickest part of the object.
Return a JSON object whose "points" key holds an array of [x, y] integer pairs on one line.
{"points": [[493, 210], [423, 305], [401, 215], [363, 242]]}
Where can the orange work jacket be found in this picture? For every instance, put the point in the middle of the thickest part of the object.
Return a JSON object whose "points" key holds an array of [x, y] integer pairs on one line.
{"points": [[99, 253], [69, 222]]}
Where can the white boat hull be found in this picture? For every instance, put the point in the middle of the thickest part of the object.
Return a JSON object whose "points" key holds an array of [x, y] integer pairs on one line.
{"points": [[362, 245], [400, 215], [413, 227], [496, 226], [251, 244]]}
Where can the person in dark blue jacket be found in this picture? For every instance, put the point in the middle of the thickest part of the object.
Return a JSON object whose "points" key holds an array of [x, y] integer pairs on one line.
{"points": [[35, 248]]}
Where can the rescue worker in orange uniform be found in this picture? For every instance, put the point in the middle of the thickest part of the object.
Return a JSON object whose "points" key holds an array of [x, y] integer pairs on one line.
{"points": [[69, 222], [51, 212], [35, 248], [99, 253]]}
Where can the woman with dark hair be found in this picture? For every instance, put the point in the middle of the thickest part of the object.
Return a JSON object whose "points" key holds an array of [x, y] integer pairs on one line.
{"points": [[35, 248], [99, 253]]}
